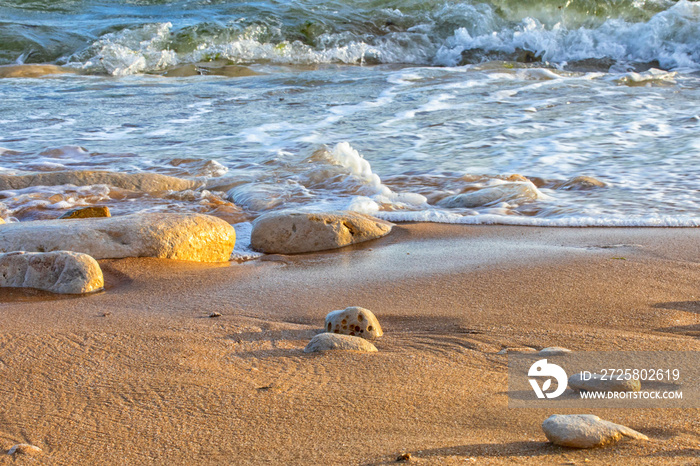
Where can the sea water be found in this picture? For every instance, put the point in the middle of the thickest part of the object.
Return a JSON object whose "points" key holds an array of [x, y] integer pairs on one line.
{"points": [[384, 107]]}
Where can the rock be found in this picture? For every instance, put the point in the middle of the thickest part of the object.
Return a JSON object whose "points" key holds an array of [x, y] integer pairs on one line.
{"points": [[189, 237], [582, 183], [208, 69], [214, 315], [354, 321], [516, 177], [145, 182], [25, 449], [517, 349], [554, 351], [298, 232], [87, 212], [334, 341], [62, 272], [585, 431], [505, 192], [598, 383], [30, 71]]}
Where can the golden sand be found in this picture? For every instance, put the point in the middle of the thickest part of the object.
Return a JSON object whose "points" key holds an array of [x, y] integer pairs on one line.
{"points": [[139, 374]]}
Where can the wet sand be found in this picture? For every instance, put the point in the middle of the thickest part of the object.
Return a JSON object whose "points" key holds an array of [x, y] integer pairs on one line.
{"points": [[138, 374]]}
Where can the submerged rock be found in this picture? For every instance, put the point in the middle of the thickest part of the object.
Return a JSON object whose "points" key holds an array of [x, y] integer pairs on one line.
{"points": [[208, 69], [334, 341], [87, 212], [62, 272], [516, 177], [505, 192], [600, 383], [31, 71], [354, 321], [585, 431], [583, 182], [25, 449], [145, 182], [189, 237], [298, 232]]}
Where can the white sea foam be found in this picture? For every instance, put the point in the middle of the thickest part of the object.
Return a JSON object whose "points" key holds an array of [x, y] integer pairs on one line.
{"points": [[490, 219], [243, 250], [359, 170], [671, 37]]}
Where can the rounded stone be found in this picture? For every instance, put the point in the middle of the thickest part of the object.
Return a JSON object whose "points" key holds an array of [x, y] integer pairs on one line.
{"points": [[25, 449], [354, 321], [585, 431], [504, 192], [87, 212], [144, 182], [299, 232], [583, 183], [554, 351], [187, 237], [334, 341], [63, 272]]}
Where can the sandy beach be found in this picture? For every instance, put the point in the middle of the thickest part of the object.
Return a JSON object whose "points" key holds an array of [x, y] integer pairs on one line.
{"points": [[139, 374]]}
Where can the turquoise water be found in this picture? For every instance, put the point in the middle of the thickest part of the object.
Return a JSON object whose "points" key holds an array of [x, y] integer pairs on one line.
{"points": [[389, 108]]}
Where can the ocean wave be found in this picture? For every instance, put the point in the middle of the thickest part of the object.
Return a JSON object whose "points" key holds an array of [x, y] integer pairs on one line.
{"points": [[659, 33]]}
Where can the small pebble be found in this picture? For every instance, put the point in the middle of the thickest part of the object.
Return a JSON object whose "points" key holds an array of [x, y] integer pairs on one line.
{"points": [[403, 457], [215, 314], [24, 449]]}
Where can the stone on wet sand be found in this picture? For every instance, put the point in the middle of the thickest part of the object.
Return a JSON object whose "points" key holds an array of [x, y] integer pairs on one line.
{"points": [[87, 212], [144, 182], [553, 351], [603, 383], [585, 431], [582, 183], [334, 341], [299, 232], [354, 321], [61, 272], [517, 349], [505, 192], [187, 237], [25, 449]]}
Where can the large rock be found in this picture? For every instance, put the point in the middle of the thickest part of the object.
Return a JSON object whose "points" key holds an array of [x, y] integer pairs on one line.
{"points": [[334, 341], [189, 237], [59, 272], [506, 192], [145, 182], [354, 321], [601, 383], [585, 431], [297, 232]]}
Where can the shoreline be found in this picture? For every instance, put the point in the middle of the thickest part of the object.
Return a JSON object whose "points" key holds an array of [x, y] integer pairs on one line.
{"points": [[157, 381]]}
